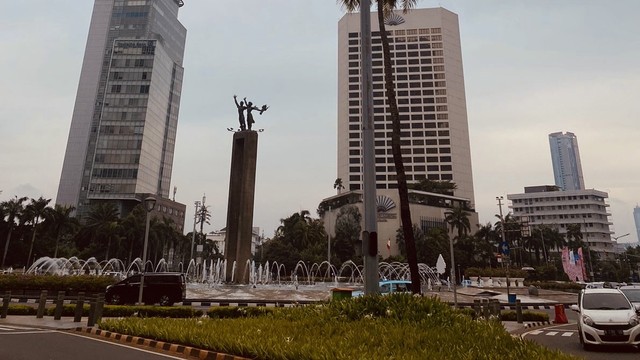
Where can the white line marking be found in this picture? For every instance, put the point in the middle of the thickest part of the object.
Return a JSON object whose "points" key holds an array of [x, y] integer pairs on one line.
{"points": [[535, 332], [551, 333], [28, 332], [567, 334]]}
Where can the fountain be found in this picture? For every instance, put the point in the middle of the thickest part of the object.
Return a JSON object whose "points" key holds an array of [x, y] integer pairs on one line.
{"points": [[271, 280]]}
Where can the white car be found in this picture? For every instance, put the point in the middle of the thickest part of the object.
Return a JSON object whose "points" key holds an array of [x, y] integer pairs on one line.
{"points": [[632, 292], [607, 317]]}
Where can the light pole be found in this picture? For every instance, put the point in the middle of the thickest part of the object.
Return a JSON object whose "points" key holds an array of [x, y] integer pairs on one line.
{"points": [[149, 204], [618, 237], [586, 238], [453, 273], [504, 241], [193, 234]]}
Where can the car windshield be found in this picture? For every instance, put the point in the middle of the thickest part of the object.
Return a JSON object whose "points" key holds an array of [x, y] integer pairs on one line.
{"points": [[632, 294], [602, 301]]}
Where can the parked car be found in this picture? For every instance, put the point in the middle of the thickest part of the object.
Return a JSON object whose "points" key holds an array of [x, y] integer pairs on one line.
{"points": [[162, 288], [606, 317], [632, 292]]}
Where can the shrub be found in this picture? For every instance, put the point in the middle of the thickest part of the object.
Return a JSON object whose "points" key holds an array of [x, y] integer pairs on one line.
{"points": [[234, 312], [54, 283], [21, 310], [510, 315], [557, 285]]}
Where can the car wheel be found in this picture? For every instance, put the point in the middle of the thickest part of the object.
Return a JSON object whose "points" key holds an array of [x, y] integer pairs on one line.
{"points": [[165, 300], [115, 299]]}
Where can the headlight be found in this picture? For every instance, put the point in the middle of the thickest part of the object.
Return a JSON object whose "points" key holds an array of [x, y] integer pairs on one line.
{"points": [[587, 320], [634, 321]]}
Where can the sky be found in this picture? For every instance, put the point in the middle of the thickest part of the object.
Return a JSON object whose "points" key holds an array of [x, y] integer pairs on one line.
{"points": [[531, 68]]}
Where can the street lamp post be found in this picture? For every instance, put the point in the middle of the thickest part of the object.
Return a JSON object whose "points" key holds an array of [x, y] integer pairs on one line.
{"points": [[149, 204], [507, 255], [193, 234]]}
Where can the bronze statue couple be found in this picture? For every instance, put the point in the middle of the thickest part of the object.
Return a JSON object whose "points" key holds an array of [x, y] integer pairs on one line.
{"points": [[248, 106]]}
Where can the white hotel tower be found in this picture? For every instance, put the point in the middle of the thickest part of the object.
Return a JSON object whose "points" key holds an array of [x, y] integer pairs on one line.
{"points": [[430, 91]]}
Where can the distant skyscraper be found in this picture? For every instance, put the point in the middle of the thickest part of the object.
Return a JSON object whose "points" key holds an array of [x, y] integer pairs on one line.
{"points": [[565, 156], [123, 128], [429, 80], [636, 218]]}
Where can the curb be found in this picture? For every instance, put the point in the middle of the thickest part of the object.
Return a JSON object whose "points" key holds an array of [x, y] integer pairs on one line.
{"points": [[536, 324], [160, 345]]}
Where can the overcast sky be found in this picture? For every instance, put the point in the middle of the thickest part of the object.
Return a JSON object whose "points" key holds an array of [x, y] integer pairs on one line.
{"points": [[531, 68]]}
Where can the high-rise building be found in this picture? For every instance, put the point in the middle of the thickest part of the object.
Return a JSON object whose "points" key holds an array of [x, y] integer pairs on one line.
{"points": [[636, 218], [565, 157], [429, 81], [123, 129]]}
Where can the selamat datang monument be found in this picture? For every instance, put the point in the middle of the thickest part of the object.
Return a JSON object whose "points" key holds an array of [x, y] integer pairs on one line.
{"points": [[242, 185]]}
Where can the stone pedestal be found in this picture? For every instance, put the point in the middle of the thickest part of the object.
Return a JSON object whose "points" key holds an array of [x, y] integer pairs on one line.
{"points": [[240, 207]]}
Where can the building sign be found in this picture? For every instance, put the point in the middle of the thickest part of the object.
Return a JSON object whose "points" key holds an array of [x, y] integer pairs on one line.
{"points": [[383, 205]]}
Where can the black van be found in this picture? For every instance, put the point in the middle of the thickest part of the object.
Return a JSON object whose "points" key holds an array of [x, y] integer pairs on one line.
{"points": [[164, 288]]}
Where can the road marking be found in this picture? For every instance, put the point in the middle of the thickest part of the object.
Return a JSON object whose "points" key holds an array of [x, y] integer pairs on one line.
{"points": [[535, 332], [551, 333], [567, 334], [15, 327]]}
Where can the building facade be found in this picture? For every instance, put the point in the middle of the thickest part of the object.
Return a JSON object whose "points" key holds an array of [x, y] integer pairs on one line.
{"points": [[429, 84], [565, 157], [123, 130], [430, 92], [549, 206]]}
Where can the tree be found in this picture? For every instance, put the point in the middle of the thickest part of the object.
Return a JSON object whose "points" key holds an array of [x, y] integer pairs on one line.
{"points": [[439, 187], [574, 236], [36, 211], [338, 185], [386, 7], [11, 209], [347, 233], [103, 224], [59, 220], [458, 219]]}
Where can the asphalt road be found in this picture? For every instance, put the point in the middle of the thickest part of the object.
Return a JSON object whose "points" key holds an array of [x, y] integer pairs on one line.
{"points": [[565, 338], [25, 343]]}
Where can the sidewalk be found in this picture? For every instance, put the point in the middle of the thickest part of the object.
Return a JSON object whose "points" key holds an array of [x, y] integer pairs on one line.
{"points": [[47, 322]]}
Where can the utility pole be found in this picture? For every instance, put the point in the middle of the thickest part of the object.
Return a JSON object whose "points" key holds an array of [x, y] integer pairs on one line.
{"points": [[504, 240], [586, 241], [193, 234], [370, 233]]}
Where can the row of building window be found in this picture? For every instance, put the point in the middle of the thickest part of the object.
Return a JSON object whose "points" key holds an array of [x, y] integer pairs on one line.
{"points": [[403, 101], [123, 116], [402, 109], [413, 121], [112, 188], [125, 101], [129, 89], [131, 144], [121, 130], [378, 135], [529, 201], [115, 173], [420, 31], [410, 160], [409, 168], [118, 158], [131, 62], [130, 75]]}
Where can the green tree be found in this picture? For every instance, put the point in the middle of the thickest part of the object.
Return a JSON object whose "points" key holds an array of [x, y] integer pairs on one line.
{"points": [[12, 210], [58, 221], [574, 236], [347, 233], [36, 211], [386, 7], [102, 223], [458, 219], [445, 187]]}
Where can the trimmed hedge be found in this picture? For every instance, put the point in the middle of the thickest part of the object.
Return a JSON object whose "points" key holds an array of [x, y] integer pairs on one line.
{"points": [[556, 285], [141, 311], [54, 283], [234, 312]]}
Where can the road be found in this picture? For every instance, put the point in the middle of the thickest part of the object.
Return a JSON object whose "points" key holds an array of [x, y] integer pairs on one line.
{"points": [[565, 338], [27, 343]]}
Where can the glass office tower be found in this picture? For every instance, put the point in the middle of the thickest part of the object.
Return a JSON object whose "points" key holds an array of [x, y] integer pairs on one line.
{"points": [[565, 157], [123, 129]]}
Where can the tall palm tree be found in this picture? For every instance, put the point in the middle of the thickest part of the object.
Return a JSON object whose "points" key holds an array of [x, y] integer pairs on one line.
{"points": [[59, 220], [386, 7], [36, 211], [458, 219], [12, 209], [103, 223]]}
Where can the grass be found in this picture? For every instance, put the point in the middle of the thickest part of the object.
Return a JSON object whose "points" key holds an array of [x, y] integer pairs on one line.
{"points": [[389, 327]]}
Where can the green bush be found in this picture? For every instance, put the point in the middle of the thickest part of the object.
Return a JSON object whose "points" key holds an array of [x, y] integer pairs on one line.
{"points": [[151, 311], [398, 326], [510, 315], [21, 310], [234, 312], [495, 272], [54, 283], [556, 285]]}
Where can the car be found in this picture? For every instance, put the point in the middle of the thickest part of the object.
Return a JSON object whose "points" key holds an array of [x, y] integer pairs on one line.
{"points": [[164, 288], [387, 287], [606, 317], [632, 292]]}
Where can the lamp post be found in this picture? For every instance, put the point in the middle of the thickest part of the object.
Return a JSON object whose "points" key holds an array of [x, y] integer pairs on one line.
{"points": [[504, 241], [193, 234], [149, 204], [586, 238]]}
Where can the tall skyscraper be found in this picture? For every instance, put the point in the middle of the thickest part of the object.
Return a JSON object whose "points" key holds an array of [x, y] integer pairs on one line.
{"points": [[565, 156], [123, 128], [636, 218], [430, 92]]}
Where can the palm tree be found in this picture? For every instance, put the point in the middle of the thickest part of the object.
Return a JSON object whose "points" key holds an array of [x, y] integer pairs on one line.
{"points": [[574, 236], [458, 219], [103, 223], [338, 185], [59, 220], [386, 7], [11, 209], [36, 211]]}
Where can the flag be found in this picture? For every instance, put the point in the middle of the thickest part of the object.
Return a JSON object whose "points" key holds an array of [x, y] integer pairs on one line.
{"points": [[388, 244]]}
